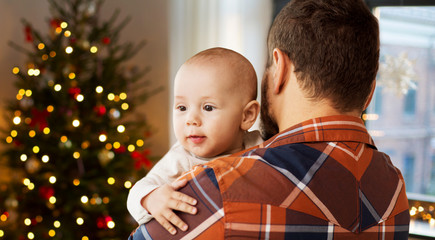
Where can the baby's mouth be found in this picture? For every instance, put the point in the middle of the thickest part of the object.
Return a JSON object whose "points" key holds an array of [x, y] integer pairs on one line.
{"points": [[196, 139]]}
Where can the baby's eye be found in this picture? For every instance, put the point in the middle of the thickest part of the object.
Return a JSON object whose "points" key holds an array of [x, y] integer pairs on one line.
{"points": [[181, 108], [209, 108]]}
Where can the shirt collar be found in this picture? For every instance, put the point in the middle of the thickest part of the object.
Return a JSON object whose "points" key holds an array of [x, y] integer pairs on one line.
{"points": [[340, 128]]}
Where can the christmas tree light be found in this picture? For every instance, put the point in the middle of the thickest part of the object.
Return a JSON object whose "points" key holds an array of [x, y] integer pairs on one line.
{"points": [[69, 138]]}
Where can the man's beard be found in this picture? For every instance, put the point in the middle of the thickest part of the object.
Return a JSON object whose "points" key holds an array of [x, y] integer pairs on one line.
{"points": [[269, 127]]}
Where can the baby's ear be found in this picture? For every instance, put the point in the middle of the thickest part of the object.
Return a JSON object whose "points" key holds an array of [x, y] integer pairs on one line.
{"points": [[250, 113]]}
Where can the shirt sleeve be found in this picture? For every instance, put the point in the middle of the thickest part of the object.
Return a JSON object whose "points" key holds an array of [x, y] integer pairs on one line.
{"points": [[165, 171], [208, 223]]}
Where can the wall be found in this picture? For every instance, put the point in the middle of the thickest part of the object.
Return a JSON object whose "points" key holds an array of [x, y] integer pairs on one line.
{"points": [[149, 22]]}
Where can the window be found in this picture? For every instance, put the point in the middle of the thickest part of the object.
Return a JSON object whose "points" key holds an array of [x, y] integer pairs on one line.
{"points": [[408, 172], [403, 105], [410, 102]]}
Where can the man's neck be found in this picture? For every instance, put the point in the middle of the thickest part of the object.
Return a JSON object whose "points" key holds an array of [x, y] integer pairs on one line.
{"points": [[305, 110]]}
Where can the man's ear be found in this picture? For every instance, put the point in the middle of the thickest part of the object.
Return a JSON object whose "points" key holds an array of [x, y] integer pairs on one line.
{"points": [[282, 64], [369, 99], [250, 113]]}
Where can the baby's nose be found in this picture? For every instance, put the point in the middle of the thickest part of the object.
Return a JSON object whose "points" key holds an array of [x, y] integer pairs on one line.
{"points": [[193, 119]]}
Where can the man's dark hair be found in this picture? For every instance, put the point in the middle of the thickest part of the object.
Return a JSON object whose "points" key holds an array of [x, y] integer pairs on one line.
{"points": [[334, 46]]}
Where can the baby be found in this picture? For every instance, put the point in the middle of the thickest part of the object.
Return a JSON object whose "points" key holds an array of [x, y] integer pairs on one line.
{"points": [[215, 104]]}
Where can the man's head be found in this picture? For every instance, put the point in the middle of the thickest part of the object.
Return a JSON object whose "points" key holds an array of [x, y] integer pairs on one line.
{"points": [[334, 47], [214, 102]]}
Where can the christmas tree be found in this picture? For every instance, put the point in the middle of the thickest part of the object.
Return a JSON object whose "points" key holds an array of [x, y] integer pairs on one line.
{"points": [[74, 144]]}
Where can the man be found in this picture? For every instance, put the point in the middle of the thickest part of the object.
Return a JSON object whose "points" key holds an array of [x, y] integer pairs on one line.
{"points": [[319, 176]]}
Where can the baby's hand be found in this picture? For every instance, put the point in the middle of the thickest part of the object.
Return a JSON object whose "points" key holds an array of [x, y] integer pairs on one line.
{"points": [[163, 200]]}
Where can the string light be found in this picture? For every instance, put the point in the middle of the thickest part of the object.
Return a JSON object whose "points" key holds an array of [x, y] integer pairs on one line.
{"points": [[116, 145], [76, 155], [2, 233], [124, 106], [4, 217], [111, 96], [52, 179], [76, 182], [67, 33], [30, 235], [111, 181], [9, 139], [85, 238], [50, 108], [56, 224], [120, 128], [93, 49], [45, 159], [44, 57], [52, 200], [139, 142], [46, 130], [80, 221], [26, 181], [102, 137], [14, 133], [17, 120], [80, 98], [52, 233], [64, 25], [84, 199], [15, 70], [63, 139], [76, 123], [27, 221], [52, 54], [99, 89], [32, 133], [41, 46], [123, 96], [72, 76], [28, 93], [85, 144], [35, 149], [111, 224], [31, 186], [127, 184], [131, 148], [69, 50], [57, 87], [23, 157]]}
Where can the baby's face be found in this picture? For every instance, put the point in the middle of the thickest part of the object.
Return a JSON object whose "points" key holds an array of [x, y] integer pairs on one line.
{"points": [[207, 111]]}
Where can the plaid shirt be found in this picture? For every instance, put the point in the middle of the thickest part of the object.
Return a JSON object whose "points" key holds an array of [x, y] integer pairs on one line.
{"points": [[321, 179]]}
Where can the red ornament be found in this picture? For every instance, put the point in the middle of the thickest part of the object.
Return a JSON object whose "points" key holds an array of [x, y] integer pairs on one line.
{"points": [[101, 222], [72, 40], [55, 23], [141, 159], [119, 150], [39, 118], [17, 143], [100, 110], [46, 192], [29, 35], [105, 40], [74, 91]]}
